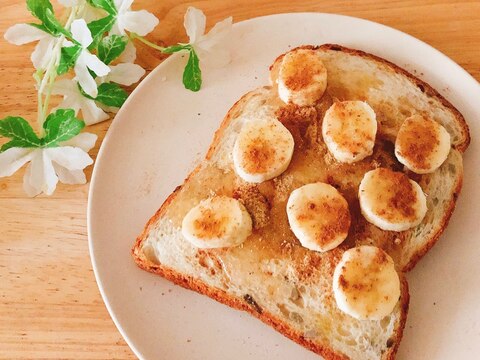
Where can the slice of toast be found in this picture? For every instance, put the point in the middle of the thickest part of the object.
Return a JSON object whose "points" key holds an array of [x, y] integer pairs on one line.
{"points": [[270, 275]]}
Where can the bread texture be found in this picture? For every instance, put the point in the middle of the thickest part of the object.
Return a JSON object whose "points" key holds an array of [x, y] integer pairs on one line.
{"points": [[271, 275]]}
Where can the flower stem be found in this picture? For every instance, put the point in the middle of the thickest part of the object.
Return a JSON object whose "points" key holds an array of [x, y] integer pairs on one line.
{"points": [[133, 36], [45, 82]]}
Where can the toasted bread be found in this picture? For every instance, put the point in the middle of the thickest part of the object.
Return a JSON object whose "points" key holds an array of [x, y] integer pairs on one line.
{"points": [[271, 275]]}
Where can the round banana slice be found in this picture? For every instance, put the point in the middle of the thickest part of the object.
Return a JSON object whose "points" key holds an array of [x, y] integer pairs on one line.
{"points": [[349, 129], [422, 144], [263, 149], [318, 216], [365, 283], [216, 222], [391, 201], [302, 78]]}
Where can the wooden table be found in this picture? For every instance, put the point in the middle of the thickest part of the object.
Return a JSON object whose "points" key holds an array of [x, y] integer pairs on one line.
{"points": [[50, 306]]}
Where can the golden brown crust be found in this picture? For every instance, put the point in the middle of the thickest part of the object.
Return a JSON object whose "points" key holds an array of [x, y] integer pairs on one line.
{"points": [[444, 222], [250, 306], [423, 86]]}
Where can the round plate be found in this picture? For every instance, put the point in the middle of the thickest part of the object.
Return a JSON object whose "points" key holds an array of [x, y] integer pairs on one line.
{"points": [[163, 130]]}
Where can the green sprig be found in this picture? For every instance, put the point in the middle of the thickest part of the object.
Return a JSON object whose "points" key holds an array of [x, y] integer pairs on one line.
{"points": [[99, 27], [68, 58], [59, 126], [192, 74], [111, 47], [43, 10]]}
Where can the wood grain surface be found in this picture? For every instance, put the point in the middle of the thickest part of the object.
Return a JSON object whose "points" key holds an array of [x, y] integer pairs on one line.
{"points": [[50, 306]]}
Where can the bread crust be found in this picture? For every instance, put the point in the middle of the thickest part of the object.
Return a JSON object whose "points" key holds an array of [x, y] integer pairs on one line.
{"points": [[234, 302], [188, 282], [422, 85]]}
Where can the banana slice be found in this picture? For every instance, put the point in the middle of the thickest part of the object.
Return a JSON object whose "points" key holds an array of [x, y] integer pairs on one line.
{"points": [[318, 216], [263, 149], [216, 222], [302, 78], [422, 144], [349, 129], [365, 283], [391, 201]]}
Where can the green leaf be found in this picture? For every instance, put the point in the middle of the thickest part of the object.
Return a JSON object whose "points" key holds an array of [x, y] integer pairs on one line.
{"points": [[176, 48], [84, 93], [13, 143], [54, 25], [111, 47], [192, 75], [62, 125], [40, 27], [107, 5], [43, 10], [100, 27], [39, 7], [111, 94], [68, 57], [19, 131]]}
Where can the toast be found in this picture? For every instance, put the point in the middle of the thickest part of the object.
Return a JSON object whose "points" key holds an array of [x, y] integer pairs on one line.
{"points": [[270, 275]]}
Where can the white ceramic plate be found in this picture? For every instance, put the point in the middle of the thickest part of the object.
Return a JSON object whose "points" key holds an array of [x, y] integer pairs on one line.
{"points": [[163, 130]]}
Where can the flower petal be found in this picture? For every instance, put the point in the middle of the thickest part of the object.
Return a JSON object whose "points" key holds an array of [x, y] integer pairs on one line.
{"points": [[217, 35], [65, 87], [71, 158], [118, 3], [140, 22], [194, 23], [68, 3], [85, 79], [117, 28], [13, 159], [29, 189], [91, 113], [108, 109], [40, 176], [67, 43], [125, 74], [124, 5], [71, 177], [81, 33], [129, 54], [95, 64], [84, 141], [20, 34], [43, 53]]}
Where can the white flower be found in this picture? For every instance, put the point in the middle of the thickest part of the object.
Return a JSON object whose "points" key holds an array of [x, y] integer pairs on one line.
{"points": [[129, 54], [49, 165], [86, 60], [212, 48], [20, 34], [73, 99], [123, 74], [69, 3], [88, 13], [139, 22]]}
